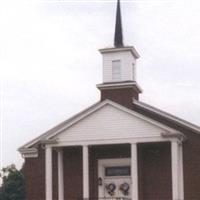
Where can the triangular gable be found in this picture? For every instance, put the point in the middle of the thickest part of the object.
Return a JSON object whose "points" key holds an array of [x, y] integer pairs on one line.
{"points": [[104, 115], [111, 121]]}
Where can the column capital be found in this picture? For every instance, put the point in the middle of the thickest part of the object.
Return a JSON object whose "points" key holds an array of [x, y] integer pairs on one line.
{"points": [[45, 146], [175, 141], [134, 143], [178, 142], [59, 149]]}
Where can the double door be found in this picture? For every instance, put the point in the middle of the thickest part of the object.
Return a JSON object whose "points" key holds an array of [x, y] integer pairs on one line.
{"points": [[114, 178]]}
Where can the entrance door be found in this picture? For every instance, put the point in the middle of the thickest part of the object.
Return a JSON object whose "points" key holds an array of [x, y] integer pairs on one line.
{"points": [[114, 178]]}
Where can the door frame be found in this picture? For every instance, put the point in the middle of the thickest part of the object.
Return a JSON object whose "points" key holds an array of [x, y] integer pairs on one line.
{"points": [[102, 163]]}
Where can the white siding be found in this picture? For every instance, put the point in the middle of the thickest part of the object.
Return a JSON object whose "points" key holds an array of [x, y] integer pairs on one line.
{"points": [[127, 61], [109, 123]]}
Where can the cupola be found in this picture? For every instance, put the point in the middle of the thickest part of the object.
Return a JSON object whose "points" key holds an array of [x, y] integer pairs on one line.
{"points": [[119, 69]]}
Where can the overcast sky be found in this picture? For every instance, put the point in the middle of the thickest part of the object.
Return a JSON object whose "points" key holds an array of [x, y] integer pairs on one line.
{"points": [[50, 64]]}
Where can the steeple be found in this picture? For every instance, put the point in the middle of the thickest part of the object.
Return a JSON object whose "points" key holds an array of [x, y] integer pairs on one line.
{"points": [[118, 41], [119, 69]]}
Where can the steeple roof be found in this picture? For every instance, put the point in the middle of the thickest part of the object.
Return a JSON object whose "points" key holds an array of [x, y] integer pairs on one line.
{"points": [[118, 41]]}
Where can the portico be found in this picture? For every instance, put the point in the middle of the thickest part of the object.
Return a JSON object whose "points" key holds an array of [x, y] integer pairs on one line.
{"points": [[132, 144]]}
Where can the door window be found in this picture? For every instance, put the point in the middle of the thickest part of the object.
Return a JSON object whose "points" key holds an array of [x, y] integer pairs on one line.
{"points": [[117, 171]]}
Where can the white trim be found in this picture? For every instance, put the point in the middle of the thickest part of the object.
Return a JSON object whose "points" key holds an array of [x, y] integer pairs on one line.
{"points": [[60, 175], [127, 48], [134, 171], [29, 152], [119, 85], [187, 124], [85, 172], [48, 170], [114, 141], [178, 135], [114, 161]]}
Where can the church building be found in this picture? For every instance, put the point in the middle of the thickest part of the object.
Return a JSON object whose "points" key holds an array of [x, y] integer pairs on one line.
{"points": [[118, 148]]}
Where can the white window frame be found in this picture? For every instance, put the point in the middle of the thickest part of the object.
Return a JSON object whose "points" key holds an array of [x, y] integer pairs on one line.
{"points": [[116, 70]]}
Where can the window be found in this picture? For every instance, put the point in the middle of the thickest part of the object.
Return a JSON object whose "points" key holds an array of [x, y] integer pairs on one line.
{"points": [[116, 70], [133, 71], [118, 171]]}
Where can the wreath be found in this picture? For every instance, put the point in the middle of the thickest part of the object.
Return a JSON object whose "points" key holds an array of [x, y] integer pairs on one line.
{"points": [[111, 188], [124, 188]]}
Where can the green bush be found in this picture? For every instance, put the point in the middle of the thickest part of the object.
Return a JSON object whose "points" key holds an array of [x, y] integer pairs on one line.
{"points": [[13, 186]]}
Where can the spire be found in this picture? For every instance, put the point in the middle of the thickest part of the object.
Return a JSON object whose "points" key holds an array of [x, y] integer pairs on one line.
{"points": [[118, 42]]}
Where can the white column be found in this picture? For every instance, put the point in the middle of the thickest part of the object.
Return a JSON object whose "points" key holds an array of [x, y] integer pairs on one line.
{"points": [[181, 178], [60, 175], [134, 171], [48, 170], [85, 172], [175, 169]]}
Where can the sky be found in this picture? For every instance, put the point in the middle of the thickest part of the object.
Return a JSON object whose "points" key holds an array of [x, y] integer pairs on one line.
{"points": [[50, 64]]}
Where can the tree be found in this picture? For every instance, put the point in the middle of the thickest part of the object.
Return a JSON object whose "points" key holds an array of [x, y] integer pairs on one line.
{"points": [[13, 184]]}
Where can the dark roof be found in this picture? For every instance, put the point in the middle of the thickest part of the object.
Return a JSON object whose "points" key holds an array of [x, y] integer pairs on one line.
{"points": [[164, 117]]}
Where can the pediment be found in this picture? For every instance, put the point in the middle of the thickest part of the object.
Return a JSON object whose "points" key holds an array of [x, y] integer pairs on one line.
{"points": [[111, 121]]}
